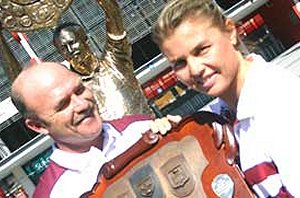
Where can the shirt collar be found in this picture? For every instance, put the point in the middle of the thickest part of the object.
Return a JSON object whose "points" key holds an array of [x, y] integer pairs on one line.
{"points": [[78, 161]]}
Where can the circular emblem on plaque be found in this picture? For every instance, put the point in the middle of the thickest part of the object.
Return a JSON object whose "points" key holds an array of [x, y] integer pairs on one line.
{"points": [[223, 186]]}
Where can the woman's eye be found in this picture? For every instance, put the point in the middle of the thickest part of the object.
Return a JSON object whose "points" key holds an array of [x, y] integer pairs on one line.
{"points": [[201, 50], [179, 64]]}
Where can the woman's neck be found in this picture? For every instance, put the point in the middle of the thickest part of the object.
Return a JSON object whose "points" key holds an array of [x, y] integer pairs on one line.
{"points": [[233, 93]]}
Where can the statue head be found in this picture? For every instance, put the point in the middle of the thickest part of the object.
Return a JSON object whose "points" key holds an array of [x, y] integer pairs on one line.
{"points": [[71, 41]]}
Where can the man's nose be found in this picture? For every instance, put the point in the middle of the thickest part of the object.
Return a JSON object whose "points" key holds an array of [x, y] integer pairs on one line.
{"points": [[79, 103]]}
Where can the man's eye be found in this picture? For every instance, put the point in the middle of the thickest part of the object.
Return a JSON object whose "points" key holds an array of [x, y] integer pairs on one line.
{"points": [[80, 89], [62, 105], [179, 64]]}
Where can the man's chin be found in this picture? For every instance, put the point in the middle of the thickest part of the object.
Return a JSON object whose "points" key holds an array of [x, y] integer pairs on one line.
{"points": [[92, 131]]}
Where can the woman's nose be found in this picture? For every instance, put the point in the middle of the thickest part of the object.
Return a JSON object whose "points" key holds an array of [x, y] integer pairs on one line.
{"points": [[195, 66]]}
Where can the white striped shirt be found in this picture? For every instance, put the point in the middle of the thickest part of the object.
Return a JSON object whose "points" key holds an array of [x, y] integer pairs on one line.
{"points": [[268, 130]]}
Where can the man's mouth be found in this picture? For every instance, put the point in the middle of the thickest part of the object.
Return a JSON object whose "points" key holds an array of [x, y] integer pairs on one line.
{"points": [[81, 117]]}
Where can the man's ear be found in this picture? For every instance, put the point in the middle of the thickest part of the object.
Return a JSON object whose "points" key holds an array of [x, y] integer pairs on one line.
{"points": [[230, 27], [36, 126]]}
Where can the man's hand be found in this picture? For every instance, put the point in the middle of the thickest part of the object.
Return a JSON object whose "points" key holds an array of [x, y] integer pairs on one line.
{"points": [[163, 125]]}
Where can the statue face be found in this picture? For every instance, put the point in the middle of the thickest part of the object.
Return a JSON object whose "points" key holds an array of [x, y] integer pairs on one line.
{"points": [[71, 45]]}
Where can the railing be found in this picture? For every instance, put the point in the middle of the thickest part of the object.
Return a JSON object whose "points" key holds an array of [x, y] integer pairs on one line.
{"points": [[24, 154], [243, 8]]}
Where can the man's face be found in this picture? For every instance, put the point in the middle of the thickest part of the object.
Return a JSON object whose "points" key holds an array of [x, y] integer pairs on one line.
{"points": [[67, 107], [203, 56]]}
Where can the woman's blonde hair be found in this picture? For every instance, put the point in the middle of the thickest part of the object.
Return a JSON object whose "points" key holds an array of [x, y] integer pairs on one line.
{"points": [[177, 11]]}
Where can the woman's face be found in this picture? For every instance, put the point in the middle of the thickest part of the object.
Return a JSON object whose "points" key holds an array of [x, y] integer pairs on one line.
{"points": [[203, 56]]}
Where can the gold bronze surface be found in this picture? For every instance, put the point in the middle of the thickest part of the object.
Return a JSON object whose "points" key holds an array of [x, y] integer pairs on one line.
{"points": [[29, 15], [10, 64], [111, 77]]}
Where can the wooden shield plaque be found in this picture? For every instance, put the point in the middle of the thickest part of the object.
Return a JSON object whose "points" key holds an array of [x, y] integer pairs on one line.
{"points": [[186, 162]]}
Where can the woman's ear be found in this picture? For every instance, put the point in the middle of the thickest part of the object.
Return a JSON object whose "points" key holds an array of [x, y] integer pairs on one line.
{"points": [[36, 126], [230, 27]]}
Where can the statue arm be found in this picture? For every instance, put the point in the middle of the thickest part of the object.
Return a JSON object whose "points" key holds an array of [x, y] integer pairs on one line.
{"points": [[117, 52], [10, 64], [114, 21]]}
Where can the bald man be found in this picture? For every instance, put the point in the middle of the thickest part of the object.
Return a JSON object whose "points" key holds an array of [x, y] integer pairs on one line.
{"points": [[54, 101]]}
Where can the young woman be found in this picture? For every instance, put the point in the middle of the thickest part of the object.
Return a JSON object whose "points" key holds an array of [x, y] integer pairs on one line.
{"points": [[202, 46]]}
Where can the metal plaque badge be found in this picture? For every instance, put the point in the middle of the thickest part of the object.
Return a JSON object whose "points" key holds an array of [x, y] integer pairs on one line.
{"points": [[145, 183], [29, 15], [178, 175], [223, 186]]}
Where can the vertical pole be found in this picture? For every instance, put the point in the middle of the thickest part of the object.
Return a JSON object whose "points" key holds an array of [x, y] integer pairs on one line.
{"points": [[23, 40]]}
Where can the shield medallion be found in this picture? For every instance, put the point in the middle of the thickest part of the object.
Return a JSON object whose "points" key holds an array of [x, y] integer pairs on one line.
{"points": [[178, 175], [145, 183]]}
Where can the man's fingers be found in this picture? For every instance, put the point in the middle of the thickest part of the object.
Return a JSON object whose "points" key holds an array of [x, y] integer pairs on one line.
{"points": [[161, 125]]}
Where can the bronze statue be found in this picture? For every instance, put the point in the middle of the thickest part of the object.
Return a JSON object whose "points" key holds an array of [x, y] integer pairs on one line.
{"points": [[10, 64], [29, 15], [26, 16], [111, 77]]}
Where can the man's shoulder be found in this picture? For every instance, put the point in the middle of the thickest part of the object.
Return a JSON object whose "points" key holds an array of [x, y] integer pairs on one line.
{"points": [[122, 123], [48, 179]]}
